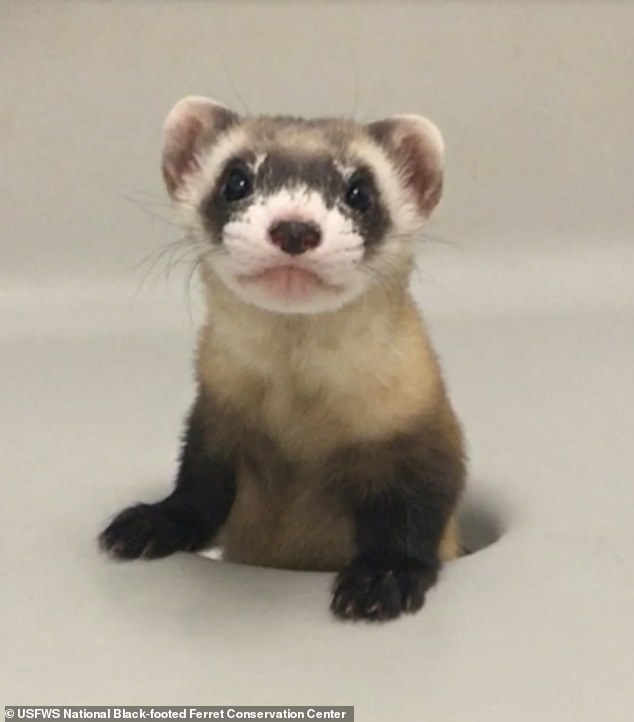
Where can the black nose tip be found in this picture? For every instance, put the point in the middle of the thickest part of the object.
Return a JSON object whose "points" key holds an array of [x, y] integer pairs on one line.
{"points": [[295, 237]]}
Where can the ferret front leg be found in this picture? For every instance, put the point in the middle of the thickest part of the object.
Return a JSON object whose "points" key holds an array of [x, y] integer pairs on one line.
{"points": [[400, 520], [190, 517]]}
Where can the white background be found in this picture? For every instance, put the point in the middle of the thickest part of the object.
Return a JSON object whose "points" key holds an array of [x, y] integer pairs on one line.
{"points": [[527, 284]]}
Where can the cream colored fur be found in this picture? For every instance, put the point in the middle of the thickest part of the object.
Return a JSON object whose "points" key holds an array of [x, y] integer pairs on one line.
{"points": [[371, 367]]}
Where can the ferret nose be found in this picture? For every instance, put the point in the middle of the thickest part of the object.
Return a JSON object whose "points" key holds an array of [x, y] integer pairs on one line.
{"points": [[295, 237]]}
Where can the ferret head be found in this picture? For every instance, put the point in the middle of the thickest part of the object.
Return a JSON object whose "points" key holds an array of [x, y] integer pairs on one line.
{"points": [[301, 216]]}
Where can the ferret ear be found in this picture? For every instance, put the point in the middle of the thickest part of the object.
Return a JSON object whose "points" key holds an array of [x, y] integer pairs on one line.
{"points": [[416, 146], [193, 124]]}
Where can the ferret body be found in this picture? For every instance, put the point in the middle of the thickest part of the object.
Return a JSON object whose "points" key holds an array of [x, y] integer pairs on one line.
{"points": [[322, 436]]}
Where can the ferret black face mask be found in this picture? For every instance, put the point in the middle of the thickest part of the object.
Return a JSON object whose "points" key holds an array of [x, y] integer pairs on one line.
{"points": [[301, 216]]}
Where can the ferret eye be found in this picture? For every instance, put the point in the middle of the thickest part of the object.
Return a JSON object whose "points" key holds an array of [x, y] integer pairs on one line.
{"points": [[358, 194], [238, 185]]}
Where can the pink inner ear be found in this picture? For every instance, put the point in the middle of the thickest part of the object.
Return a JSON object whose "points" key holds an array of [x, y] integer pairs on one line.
{"points": [[416, 148], [179, 156], [421, 171]]}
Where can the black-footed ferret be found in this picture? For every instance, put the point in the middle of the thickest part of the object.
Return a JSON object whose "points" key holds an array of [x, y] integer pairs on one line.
{"points": [[321, 436]]}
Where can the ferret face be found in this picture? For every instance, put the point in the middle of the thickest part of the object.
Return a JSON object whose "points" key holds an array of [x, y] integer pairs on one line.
{"points": [[302, 216]]}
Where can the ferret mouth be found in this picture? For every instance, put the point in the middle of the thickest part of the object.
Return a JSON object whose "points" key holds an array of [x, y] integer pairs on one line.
{"points": [[288, 282]]}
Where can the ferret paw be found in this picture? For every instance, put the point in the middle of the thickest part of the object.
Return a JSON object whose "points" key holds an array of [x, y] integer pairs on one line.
{"points": [[375, 590], [149, 531]]}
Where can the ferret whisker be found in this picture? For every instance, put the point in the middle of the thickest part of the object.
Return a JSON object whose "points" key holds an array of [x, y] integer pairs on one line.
{"points": [[232, 83], [355, 99], [188, 285], [383, 281], [429, 239], [153, 256], [184, 257], [153, 259], [150, 213], [142, 192], [183, 246], [147, 199]]}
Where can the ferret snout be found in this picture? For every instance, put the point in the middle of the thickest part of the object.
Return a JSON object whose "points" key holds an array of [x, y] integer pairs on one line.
{"points": [[295, 237]]}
